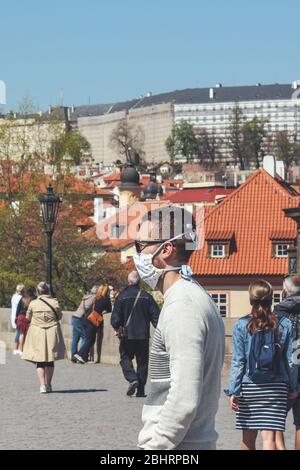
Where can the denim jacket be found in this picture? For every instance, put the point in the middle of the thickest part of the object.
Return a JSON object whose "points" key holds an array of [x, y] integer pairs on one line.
{"points": [[241, 342]]}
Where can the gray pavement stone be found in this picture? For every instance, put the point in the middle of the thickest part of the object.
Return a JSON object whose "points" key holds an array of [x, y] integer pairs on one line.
{"points": [[88, 409]]}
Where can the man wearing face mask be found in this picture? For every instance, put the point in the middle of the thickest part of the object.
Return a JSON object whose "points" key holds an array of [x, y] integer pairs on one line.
{"points": [[188, 345]]}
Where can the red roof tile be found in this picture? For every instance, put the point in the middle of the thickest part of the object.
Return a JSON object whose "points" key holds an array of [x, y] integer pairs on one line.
{"points": [[198, 195], [219, 235], [112, 177], [254, 212]]}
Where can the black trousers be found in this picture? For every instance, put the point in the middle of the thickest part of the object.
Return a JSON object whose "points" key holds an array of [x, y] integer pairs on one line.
{"points": [[138, 348]]}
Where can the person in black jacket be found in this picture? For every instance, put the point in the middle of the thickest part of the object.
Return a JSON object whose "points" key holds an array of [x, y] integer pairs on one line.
{"points": [[100, 304], [134, 310], [290, 308]]}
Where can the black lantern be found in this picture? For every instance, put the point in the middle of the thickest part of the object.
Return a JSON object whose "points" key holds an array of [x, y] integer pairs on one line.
{"points": [[50, 206]]}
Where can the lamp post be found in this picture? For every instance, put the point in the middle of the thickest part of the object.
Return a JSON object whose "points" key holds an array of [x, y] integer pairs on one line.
{"points": [[50, 206]]}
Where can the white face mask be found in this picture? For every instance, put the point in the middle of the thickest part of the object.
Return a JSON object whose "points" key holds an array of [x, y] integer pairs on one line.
{"points": [[147, 271]]}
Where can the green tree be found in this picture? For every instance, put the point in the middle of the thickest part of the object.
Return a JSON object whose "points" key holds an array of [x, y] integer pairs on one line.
{"points": [[235, 137], [254, 134], [208, 147], [182, 141], [76, 264], [69, 144], [287, 149], [21, 139]]}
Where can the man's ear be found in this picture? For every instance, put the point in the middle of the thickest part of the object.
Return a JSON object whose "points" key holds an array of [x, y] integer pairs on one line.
{"points": [[169, 250]]}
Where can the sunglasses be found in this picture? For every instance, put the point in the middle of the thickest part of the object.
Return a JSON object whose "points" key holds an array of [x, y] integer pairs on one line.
{"points": [[140, 245]]}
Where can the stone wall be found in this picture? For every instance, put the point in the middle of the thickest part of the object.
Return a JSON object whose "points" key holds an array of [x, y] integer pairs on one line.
{"points": [[109, 346]]}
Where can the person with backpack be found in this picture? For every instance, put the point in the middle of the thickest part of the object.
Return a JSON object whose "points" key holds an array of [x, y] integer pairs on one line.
{"points": [[290, 308], [263, 374]]}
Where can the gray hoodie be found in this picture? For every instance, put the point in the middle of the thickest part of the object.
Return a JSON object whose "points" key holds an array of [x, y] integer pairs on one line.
{"points": [[86, 302]]}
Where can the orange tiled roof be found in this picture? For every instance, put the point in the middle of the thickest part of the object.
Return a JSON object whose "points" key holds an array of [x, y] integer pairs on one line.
{"points": [[219, 235], [254, 212], [112, 177]]}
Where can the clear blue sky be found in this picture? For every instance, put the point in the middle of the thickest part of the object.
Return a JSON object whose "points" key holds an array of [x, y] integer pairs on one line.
{"points": [[108, 50]]}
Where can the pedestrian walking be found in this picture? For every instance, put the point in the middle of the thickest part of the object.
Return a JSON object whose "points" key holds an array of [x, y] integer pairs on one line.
{"points": [[290, 308], [44, 343], [134, 311], [263, 374], [189, 341], [14, 304]]}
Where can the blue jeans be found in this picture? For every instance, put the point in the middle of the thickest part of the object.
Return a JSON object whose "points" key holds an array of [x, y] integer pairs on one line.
{"points": [[78, 333], [17, 338], [90, 338]]}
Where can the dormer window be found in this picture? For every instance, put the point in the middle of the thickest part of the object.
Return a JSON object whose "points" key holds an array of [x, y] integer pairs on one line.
{"points": [[281, 250], [217, 251], [220, 243], [281, 241]]}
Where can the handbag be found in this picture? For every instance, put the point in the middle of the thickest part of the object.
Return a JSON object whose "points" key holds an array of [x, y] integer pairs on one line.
{"points": [[122, 330], [96, 318]]}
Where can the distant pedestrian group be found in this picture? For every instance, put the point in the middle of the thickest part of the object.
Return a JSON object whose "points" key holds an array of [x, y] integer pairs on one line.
{"points": [[187, 349]]}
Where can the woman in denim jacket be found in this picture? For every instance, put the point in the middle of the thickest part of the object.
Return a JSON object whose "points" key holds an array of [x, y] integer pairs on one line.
{"points": [[261, 404]]}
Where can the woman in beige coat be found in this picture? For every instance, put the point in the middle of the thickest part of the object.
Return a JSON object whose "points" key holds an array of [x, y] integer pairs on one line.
{"points": [[44, 342]]}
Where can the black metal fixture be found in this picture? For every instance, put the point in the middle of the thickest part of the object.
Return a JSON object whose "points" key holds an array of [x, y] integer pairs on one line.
{"points": [[50, 203]]}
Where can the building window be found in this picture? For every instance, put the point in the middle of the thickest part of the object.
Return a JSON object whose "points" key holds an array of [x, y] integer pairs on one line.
{"points": [[222, 303], [277, 298], [218, 251], [281, 250]]}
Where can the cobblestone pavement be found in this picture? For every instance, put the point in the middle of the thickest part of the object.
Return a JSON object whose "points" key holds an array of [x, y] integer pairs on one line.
{"points": [[88, 409]]}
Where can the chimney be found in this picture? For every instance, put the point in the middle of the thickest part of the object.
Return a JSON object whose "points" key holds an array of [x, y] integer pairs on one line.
{"points": [[269, 164], [296, 84], [211, 93], [219, 85], [280, 168]]}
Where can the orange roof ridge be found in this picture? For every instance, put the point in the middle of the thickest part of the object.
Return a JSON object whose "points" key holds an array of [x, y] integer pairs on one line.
{"points": [[257, 173]]}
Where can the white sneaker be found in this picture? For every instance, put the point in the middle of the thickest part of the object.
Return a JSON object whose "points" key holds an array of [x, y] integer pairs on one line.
{"points": [[49, 388], [16, 351], [43, 389], [79, 359]]}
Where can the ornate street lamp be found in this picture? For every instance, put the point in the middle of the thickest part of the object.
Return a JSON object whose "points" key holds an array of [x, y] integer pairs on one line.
{"points": [[50, 206]]}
